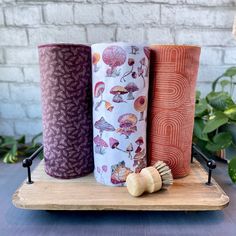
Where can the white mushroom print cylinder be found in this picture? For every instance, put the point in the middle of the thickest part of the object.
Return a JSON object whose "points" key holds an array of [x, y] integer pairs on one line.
{"points": [[120, 98]]}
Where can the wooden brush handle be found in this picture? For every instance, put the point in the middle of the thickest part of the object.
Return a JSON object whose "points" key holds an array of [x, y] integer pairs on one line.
{"points": [[148, 180]]}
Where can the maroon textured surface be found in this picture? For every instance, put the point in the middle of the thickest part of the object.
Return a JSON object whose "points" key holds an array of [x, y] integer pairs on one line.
{"points": [[67, 109]]}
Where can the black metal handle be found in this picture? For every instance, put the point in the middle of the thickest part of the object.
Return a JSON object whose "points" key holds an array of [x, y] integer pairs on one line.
{"points": [[27, 162], [196, 151]]}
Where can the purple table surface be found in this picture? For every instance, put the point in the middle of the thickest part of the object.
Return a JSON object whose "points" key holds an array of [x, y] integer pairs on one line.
{"points": [[19, 222]]}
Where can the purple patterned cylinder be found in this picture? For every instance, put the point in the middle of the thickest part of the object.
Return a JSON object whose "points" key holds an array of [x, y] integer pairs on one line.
{"points": [[65, 71]]}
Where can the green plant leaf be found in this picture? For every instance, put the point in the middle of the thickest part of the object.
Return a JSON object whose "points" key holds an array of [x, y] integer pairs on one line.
{"points": [[201, 108], [215, 83], [220, 100], [198, 129], [10, 158], [224, 83], [231, 112], [21, 139], [8, 142], [212, 147], [198, 95], [230, 72], [218, 120], [232, 169], [223, 139], [36, 137]]}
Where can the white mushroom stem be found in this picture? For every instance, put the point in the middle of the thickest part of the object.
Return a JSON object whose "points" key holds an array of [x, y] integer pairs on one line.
{"points": [[130, 155], [121, 150]]}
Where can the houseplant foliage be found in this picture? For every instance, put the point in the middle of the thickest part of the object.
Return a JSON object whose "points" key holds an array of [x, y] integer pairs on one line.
{"points": [[12, 148], [213, 114]]}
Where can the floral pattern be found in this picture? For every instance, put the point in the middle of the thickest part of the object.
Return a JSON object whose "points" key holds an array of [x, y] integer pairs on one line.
{"points": [[120, 90]]}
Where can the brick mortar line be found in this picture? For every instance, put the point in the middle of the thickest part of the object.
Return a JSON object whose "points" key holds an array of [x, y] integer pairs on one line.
{"points": [[232, 4]]}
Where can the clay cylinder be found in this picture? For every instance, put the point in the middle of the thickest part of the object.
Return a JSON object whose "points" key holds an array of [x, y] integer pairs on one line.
{"points": [[172, 99], [120, 96], [66, 109]]}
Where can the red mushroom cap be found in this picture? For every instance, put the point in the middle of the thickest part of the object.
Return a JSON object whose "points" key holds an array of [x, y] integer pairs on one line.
{"points": [[139, 141], [113, 143], [114, 56], [140, 104], [99, 89], [130, 61], [138, 149]]}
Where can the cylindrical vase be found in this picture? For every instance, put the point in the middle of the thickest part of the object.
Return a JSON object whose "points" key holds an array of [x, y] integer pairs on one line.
{"points": [[172, 81], [120, 96], [66, 89]]}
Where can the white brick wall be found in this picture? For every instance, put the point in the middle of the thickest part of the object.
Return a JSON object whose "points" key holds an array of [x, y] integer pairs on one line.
{"points": [[26, 23], [23, 15], [131, 14], [52, 17]]}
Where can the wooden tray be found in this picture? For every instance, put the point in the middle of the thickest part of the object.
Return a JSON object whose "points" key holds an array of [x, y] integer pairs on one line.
{"points": [[187, 194]]}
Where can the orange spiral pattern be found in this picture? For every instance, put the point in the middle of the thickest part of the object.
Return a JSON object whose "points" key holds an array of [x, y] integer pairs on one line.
{"points": [[173, 79]]}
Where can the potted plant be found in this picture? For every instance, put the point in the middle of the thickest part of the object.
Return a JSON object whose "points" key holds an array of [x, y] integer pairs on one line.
{"points": [[12, 148], [215, 120]]}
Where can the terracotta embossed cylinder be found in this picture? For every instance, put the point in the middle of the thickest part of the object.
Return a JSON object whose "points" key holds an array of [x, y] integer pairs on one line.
{"points": [[172, 82], [120, 96], [65, 71]]}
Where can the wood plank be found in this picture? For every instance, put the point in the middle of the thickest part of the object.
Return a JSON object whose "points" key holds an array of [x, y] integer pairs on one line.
{"points": [[187, 194]]}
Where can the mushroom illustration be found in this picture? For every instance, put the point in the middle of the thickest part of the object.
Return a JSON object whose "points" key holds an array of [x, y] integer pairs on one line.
{"points": [[113, 56], [108, 106], [100, 145], [129, 149], [139, 161], [102, 126], [131, 88], [134, 50], [130, 63], [95, 60], [134, 75], [127, 123], [114, 143], [139, 142], [147, 52], [101, 171], [117, 91], [98, 91], [141, 70], [104, 168], [119, 173], [140, 105]]}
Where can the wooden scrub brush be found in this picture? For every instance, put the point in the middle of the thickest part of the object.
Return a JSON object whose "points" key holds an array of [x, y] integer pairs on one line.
{"points": [[150, 179]]}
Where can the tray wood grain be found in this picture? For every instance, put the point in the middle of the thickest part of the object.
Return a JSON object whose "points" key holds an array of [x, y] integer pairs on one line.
{"points": [[187, 194]]}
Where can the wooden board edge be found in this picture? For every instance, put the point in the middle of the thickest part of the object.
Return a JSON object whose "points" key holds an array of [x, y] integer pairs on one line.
{"points": [[54, 207], [222, 203]]}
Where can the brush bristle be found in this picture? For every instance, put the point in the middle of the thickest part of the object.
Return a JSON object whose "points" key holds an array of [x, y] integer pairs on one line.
{"points": [[165, 173]]}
